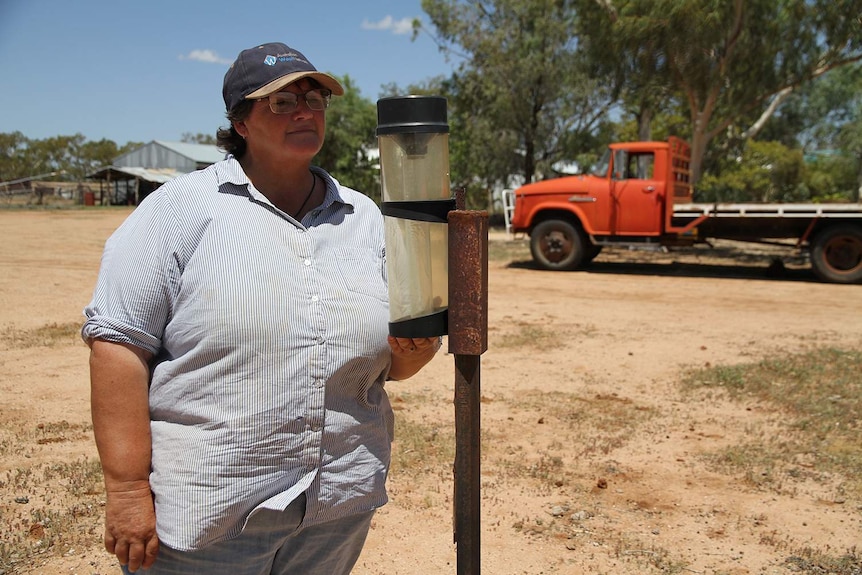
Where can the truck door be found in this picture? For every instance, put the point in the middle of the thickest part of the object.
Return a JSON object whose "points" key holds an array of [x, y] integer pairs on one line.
{"points": [[636, 193]]}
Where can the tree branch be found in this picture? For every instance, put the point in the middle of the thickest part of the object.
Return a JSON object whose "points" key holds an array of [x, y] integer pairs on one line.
{"points": [[758, 124], [608, 6], [781, 95]]}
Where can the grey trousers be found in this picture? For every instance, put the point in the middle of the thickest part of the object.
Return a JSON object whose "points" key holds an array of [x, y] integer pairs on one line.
{"points": [[271, 544]]}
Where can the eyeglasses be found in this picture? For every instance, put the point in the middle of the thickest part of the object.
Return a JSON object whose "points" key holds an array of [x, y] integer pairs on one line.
{"points": [[286, 102]]}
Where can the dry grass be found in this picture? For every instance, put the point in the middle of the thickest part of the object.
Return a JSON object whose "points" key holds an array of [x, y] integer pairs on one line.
{"points": [[818, 398], [508, 250], [527, 335], [422, 448], [543, 336], [52, 508], [50, 335]]}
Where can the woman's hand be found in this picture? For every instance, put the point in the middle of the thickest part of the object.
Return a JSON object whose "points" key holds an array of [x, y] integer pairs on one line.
{"points": [[409, 355], [130, 526]]}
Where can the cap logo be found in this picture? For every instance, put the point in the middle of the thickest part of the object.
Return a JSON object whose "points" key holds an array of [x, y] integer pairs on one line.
{"points": [[271, 60]]}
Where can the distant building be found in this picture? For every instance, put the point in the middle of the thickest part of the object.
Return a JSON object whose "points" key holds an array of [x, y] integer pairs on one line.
{"points": [[135, 174]]}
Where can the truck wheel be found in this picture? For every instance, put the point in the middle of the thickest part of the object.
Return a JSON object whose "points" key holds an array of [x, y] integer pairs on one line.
{"points": [[557, 245], [836, 254]]}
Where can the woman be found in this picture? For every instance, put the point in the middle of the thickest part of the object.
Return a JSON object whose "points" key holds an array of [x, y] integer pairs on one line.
{"points": [[239, 349]]}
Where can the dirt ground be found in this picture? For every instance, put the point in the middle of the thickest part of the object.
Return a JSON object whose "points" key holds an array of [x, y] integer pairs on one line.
{"points": [[592, 455]]}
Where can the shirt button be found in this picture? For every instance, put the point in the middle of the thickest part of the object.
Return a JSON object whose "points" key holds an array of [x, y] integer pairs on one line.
{"points": [[315, 298], [307, 262]]}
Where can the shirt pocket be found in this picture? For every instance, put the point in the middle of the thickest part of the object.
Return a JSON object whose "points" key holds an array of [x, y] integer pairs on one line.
{"points": [[362, 272]]}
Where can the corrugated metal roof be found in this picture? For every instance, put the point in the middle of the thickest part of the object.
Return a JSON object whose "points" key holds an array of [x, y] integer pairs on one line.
{"points": [[202, 153], [155, 175], [158, 175]]}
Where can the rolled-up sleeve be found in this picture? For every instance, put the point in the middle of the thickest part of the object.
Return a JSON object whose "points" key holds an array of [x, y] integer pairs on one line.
{"points": [[138, 278]]}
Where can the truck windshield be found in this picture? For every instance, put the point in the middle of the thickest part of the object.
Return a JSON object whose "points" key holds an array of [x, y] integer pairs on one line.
{"points": [[600, 168]]}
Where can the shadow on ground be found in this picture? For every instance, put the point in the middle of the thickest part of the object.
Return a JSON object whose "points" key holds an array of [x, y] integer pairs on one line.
{"points": [[768, 271]]}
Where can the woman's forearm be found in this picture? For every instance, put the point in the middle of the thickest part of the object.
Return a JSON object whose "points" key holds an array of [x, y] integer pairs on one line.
{"points": [[119, 383]]}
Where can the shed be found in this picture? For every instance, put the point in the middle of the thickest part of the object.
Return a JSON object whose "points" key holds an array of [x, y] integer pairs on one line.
{"points": [[135, 174]]}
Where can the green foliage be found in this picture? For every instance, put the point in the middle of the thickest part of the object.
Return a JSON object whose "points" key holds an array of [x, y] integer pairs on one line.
{"points": [[662, 125], [351, 121], [724, 61], [65, 158], [522, 97], [765, 172], [832, 178], [198, 138], [771, 172], [823, 109], [13, 156]]}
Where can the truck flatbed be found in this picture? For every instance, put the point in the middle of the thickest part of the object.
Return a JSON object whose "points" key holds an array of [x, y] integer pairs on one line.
{"points": [[768, 210]]}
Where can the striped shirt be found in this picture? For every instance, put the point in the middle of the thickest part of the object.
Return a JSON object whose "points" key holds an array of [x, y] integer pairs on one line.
{"points": [[270, 350]]}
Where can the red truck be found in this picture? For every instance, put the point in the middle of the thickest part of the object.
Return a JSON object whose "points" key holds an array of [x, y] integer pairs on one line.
{"points": [[639, 195]]}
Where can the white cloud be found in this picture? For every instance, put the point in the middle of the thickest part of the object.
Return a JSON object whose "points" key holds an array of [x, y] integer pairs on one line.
{"points": [[205, 56], [402, 26]]}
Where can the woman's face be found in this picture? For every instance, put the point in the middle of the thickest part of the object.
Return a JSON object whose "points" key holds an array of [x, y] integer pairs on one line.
{"points": [[297, 135]]}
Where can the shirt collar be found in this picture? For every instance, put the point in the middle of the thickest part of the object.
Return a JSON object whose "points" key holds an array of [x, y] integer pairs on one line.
{"points": [[230, 173]]}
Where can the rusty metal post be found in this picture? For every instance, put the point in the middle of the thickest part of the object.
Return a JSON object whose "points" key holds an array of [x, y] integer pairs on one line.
{"points": [[468, 339]]}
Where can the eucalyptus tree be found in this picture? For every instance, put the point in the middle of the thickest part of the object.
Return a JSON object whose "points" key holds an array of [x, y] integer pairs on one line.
{"points": [[731, 62], [825, 118], [626, 50], [521, 93], [835, 109], [13, 161], [827, 107], [850, 138], [69, 158], [199, 138], [61, 154], [74, 157]]}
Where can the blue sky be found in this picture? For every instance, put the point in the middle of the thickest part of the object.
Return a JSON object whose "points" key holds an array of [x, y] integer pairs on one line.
{"points": [[152, 69]]}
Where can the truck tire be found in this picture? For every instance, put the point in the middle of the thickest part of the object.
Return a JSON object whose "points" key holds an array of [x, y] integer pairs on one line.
{"points": [[557, 245], [836, 254]]}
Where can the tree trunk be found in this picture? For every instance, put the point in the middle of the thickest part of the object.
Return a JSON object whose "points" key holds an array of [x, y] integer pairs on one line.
{"points": [[701, 113], [699, 141], [529, 161], [644, 118]]}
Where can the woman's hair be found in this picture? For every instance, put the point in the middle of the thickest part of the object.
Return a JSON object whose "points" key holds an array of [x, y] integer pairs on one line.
{"points": [[227, 138]]}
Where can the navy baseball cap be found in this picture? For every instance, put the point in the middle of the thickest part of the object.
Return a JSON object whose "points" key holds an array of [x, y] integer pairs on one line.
{"points": [[266, 69]]}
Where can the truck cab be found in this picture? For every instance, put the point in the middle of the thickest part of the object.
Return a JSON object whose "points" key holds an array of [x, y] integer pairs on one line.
{"points": [[627, 196]]}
